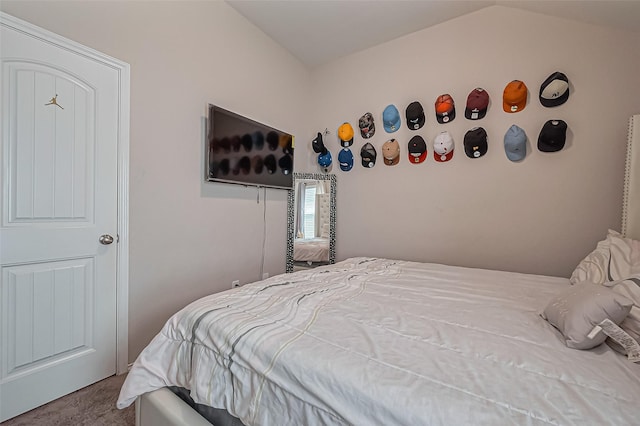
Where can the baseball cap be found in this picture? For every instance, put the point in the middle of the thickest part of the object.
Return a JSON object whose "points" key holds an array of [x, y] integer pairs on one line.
{"points": [[258, 140], [515, 143], [272, 140], [224, 166], [514, 97], [554, 90], [415, 115], [286, 143], [225, 144], [324, 160], [391, 119], [317, 144], [257, 164], [270, 163], [368, 154], [244, 165], [247, 142], [445, 109], [391, 152], [366, 125], [286, 164], [235, 143], [475, 142], [552, 136], [417, 150], [477, 104], [345, 158], [443, 147], [345, 133]]}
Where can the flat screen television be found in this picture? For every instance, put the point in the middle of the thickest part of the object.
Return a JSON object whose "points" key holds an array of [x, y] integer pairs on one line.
{"points": [[245, 152]]}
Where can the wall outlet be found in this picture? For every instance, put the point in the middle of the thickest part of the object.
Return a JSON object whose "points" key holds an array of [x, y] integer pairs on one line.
{"points": [[265, 275], [235, 284]]}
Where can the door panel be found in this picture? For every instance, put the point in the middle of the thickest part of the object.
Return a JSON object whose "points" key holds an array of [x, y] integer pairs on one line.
{"points": [[59, 194]]}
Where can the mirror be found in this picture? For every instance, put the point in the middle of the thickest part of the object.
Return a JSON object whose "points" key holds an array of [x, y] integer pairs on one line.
{"points": [[311, 221]]}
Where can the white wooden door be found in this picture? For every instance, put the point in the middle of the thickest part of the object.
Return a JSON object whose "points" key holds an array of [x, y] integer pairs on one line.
{"points": [[59, 196]]}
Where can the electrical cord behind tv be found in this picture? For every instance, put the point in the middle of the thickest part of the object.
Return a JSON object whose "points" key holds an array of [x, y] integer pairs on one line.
{"points": [[264, 227]]}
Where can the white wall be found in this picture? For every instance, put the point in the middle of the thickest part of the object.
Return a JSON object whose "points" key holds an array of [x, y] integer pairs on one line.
{"points": [[540, 216], [187, 238]]}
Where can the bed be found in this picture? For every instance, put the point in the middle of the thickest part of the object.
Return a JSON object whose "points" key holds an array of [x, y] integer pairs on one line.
{"points": [[311, 250], [374, 341]]}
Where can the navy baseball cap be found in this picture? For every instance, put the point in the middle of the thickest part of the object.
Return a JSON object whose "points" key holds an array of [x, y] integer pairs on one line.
{"points": [[345, 158], [324, 160]]}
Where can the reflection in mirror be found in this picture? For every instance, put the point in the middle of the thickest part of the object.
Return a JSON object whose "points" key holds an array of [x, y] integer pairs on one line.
{"points": [[311, 221]]}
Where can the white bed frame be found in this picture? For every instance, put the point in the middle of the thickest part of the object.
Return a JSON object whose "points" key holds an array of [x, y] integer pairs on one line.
{"points": [[164, 408]]}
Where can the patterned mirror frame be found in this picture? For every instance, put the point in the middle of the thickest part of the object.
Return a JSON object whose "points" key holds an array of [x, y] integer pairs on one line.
{"points": [[291, 215]]}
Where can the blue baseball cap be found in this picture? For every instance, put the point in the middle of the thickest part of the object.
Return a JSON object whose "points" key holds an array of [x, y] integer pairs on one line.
{"points": [[345, 158], [324, 160], [515, 143], [391, 119]]}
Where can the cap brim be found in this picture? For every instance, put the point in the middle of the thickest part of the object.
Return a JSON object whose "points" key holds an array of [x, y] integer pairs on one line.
{"points": [[418, 125], [393, 128], [392, 162], [440, 158], [417, 159], [368, 164], [474, 115], [547, 147], [346, 143], [515, 156], [554, 102], [507, 106], [444, 119]]}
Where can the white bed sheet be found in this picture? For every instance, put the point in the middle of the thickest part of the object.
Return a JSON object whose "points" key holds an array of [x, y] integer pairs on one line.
{"points": [[311, 249], [383, 342]]}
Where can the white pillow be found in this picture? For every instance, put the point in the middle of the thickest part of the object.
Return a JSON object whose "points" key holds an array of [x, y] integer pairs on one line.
{"points": [[579, 308], [613, 259], [629, 288]]}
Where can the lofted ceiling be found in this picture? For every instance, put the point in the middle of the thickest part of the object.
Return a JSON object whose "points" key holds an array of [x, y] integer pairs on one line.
{"points": [[319, 31]]}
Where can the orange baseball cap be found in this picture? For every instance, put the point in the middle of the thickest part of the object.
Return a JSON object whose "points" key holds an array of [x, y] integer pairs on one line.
{"points": [[514, 97], [345, 133]]}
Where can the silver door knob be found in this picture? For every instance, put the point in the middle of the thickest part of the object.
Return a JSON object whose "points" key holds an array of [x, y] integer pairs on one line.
{"points": [[106, 239]]}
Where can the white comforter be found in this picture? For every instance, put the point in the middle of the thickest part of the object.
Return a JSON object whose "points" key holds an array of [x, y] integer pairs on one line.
{"points": [[382, 342]]}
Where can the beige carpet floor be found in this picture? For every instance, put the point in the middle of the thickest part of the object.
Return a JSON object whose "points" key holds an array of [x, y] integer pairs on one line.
{"points": [[94, 405]]}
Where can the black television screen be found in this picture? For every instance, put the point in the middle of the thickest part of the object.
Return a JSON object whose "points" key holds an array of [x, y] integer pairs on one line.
{"points": [[246, 152]]}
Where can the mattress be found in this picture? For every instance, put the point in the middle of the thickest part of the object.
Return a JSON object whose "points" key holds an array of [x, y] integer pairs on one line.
{"points": [[382, 342], [311, 250]]}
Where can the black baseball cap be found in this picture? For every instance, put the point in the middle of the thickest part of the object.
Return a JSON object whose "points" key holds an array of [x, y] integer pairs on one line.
{"points": [[247, 142], [415, 115], [475, 142], [270, 163], [244, 165], [286, 164], [554, 91], [318, 145], [272, 140], [417, 148], [368, 154], [553, 136]]}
